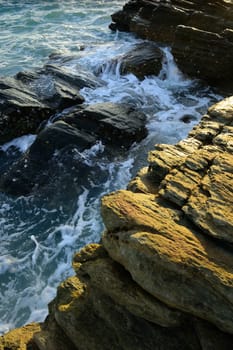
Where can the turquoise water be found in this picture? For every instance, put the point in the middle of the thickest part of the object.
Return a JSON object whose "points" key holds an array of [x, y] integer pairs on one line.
{"points": [[32, 30], [39, 234]]}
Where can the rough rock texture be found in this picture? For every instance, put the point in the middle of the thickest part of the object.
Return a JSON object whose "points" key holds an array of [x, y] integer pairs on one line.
{"points": [[142, 60], [32, 97], [199, 32], [117, 126], [172, 234], [162, 277], [20, 339]]}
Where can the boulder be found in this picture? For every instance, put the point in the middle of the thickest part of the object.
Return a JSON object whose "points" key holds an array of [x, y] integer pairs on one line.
{"points": [[144, 59], [168, 259], [30, 98]]}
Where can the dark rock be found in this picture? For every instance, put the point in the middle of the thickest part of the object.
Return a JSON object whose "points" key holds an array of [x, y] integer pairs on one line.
{"points": [[21, 111], [145, 59], [57, 151], [203, 54], [29, 98], [200, 34], [117, 125], [58, 136]]}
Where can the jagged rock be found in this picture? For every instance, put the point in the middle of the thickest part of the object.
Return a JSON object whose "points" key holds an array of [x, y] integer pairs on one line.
{"points": [[103, 308], [167, 258], [200, 34], [149, 234], [32, 97], [206, 203], [200, 181], [117, 126], [52, 337]]}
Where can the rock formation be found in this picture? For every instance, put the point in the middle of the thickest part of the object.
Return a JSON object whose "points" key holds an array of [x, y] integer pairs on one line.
{"points": [[117, 126], [30, 98], [162, 277], [200, 34], [144, 59]]}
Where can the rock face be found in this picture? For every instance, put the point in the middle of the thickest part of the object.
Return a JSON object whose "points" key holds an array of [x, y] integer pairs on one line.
{"points": [[162, 277], [200, 33], [117, 126], [32, 97]]}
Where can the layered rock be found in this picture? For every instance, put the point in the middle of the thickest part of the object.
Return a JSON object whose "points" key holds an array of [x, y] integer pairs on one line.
{"points": [[162, 278], [200, 33]]}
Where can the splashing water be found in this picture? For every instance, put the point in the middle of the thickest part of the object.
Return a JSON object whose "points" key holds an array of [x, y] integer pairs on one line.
{"points": [[39, 234]]}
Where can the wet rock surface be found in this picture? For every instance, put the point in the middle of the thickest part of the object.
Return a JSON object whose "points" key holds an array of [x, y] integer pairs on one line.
{"points": [[30, 98], [143, 60], [117, 126], [200, 34]]}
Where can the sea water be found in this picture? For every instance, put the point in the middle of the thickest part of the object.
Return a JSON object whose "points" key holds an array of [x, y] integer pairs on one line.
{"points": [[39, 234]]}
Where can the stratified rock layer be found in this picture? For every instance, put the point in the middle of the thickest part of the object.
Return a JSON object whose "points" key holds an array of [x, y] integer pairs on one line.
{"points": [[162, 277], [199, 32]]}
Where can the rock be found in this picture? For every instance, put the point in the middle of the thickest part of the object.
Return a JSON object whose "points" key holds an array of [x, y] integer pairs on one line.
{"points": [[200, 182], [29, 98], [192, 48], [211, 338], [117, 125], [102, 305], [57, 150], [193, 274], [143, 60], [52, 337], [150, 234], [193, 30], [21, 111], [20, 339], [111, 279], [57, 136]]}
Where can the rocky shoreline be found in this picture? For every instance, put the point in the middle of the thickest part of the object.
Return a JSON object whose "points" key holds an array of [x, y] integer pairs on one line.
{"points": [[162, 275]]}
